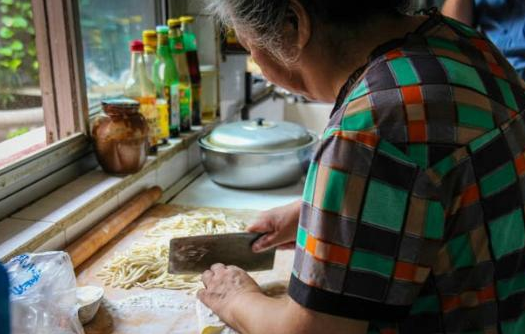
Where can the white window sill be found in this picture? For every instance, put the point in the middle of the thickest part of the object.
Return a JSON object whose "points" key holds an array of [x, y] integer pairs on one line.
{"points": [[57, 219]]}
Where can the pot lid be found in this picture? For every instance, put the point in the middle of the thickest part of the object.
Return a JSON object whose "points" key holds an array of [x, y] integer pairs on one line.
{"points": [[259, 135]]}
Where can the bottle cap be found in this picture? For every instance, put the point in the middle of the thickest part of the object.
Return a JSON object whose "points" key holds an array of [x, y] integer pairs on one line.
{"points": [[163, 29], [149, 38], [174, 23], [136, 45], [187, 19], [148, 34]]}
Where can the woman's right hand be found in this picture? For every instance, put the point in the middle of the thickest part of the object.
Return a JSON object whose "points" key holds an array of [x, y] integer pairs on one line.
{"points": [[279, 226]]}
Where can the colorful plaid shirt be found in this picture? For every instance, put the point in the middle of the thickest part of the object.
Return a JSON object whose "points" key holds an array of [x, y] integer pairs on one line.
{"points": [[413, 208]]}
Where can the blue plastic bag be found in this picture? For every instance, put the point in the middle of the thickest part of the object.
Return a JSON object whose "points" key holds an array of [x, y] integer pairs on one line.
{"points": [[43, 294]]}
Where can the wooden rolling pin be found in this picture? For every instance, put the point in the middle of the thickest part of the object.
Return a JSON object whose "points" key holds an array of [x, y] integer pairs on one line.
{"points": [[85, 246]]}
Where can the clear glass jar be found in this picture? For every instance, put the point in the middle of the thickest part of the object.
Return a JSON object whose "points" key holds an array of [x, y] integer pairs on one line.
{"points": [[209, 97]]}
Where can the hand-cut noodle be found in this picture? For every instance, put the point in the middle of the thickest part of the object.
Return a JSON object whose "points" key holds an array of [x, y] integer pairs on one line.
{"points": [[145, 265], [195, 223]]}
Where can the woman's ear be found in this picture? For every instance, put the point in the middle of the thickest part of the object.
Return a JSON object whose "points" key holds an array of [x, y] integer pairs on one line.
{"points": [[304, 23], [298, 27]]}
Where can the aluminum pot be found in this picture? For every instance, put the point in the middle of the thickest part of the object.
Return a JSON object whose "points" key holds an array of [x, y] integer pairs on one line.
{"points": [[257, 154]]}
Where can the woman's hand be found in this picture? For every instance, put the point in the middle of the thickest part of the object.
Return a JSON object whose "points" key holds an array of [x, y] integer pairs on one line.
{"points": [[279, 225], [224, 284]]}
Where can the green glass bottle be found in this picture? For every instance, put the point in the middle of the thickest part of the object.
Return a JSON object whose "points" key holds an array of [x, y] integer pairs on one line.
{"points": [[166, 78], [190, 47], [177, 51]]}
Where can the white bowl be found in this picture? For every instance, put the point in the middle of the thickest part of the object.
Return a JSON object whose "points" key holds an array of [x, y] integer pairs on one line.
{"points": [[88, 302]]}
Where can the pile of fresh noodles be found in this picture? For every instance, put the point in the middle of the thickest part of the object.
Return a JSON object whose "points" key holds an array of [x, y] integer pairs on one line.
{"points": [[145, 264]]}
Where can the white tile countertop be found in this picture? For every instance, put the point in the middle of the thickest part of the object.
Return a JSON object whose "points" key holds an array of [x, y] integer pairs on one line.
{"points": [[203, 192]]}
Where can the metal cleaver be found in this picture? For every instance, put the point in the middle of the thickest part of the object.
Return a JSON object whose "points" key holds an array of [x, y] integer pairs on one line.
{"points": [[196, 254]]}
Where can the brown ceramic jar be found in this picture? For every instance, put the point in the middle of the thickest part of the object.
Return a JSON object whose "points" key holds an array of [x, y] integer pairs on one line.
{"points": [[121, 137]]}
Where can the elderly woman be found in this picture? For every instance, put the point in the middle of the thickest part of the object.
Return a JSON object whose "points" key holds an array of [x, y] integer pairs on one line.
{"points": [[412, 216]]}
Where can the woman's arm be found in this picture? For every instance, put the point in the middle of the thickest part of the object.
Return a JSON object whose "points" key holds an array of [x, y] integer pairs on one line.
{"points": [[258, 314], [279, 226], [461, 10], [235, 297]]}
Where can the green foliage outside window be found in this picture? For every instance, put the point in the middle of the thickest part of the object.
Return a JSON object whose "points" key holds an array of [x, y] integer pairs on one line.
{"points": [[18, 61], [17, 132]]}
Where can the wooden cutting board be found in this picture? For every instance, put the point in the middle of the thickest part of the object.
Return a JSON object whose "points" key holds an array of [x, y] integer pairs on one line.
{"points": [[156, 311]]}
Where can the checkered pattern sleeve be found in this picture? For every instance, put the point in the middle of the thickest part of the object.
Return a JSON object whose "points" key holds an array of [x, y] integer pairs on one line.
{"points": [[370, 228]]}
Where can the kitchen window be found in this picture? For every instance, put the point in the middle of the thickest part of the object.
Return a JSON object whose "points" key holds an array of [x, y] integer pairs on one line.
{"points": [[21, 115], [63, 56], [107, 29], [40, 100], [44, 94]]}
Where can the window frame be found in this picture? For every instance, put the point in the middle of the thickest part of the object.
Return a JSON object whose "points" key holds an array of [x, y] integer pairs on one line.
{"points": [[64, 101], [60, 56]]}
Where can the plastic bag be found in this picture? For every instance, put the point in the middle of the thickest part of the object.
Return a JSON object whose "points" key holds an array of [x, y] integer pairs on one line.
{"points": [[43, 294]]}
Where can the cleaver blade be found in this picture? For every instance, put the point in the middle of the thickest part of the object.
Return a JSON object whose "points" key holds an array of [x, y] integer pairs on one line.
{"points": [[189, 255]]}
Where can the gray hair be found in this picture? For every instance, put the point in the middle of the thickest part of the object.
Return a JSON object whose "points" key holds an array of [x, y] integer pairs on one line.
{"points": [[261, 19]]}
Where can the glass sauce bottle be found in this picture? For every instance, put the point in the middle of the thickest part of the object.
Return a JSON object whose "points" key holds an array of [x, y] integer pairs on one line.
{"points": [[166, 78], [190, 47], [149, 38], [141, 89], [178, 54]]}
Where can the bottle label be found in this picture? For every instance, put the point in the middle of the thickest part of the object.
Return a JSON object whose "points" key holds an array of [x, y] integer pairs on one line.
{"points": [[179, 45], [185, 107], [174, 103], [149, 111], [164, 119], [196, 105]]}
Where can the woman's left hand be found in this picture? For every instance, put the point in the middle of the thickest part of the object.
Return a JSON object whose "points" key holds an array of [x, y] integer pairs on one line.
{"points": [[223, 285]]}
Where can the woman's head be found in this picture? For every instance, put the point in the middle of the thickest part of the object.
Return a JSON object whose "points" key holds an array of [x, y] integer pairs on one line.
{"points": [[277, 32]]}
